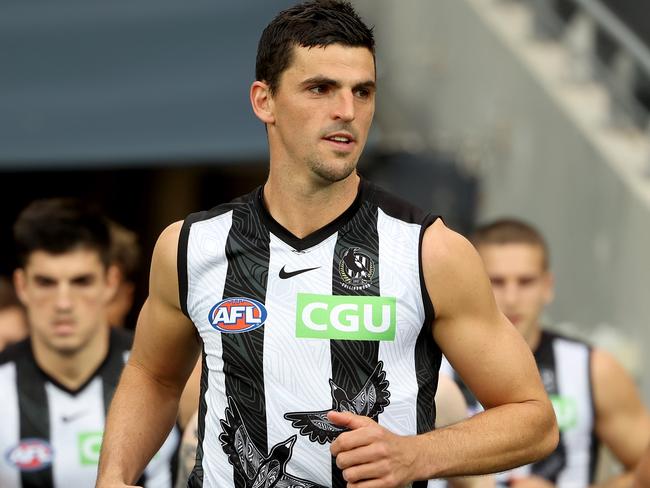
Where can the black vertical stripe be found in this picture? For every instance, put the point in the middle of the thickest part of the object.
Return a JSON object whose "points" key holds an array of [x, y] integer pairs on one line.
{"points": [[111, 369], [354, 361], [34, 418], [196, 477], [427, 357], [550, 467], [248, 253], [181, 263]]}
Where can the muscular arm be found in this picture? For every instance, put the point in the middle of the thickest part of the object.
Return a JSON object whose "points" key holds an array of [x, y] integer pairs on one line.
{"points": [[518, 426], [622, 421], [145, 405]]}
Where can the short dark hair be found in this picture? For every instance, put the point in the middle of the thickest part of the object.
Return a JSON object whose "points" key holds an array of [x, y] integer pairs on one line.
{"points": [[317, 23], [60, 225], [125, 250], [510, 231]]}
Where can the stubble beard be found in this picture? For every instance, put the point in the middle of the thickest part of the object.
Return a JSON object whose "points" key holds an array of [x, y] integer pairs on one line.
{"points": [[331, 172]]}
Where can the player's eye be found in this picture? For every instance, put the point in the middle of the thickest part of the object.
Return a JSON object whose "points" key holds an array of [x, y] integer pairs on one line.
{"points": [[85, 280], [362, 93], [319, 89], [497, 281], [44, 281]]}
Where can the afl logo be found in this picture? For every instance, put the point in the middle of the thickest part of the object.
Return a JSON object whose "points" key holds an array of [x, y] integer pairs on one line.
{"points": [[30, 455], [356, 269], [235, 315]]}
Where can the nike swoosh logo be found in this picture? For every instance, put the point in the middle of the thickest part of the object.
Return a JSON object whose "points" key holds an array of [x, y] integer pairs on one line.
{"points": [[290, 274], [74, 416]]}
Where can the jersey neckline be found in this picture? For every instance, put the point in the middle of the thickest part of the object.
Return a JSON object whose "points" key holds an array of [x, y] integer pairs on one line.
{"points": [[93, 375], [316, 237]]}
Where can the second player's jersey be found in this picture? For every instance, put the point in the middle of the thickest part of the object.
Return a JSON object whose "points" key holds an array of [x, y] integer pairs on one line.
{"points": [[564, 365], [293, 328], [50, 436]]}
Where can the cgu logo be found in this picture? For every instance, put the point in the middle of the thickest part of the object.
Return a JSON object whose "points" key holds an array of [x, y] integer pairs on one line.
{"points": [[90, 443], [362, 318], [31, 455], [236, 315]]}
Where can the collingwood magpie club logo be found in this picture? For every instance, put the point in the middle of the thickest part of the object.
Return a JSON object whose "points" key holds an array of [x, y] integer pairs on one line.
{"points": [[259, 469], [369, 401], [356, 269]]}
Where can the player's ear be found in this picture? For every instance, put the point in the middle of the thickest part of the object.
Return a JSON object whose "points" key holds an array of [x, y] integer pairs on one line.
{"points": [[113, 278], [20, 285], [262, 101]]}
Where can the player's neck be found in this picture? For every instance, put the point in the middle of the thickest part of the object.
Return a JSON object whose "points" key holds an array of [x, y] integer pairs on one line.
{"points": [[72, 370], [302, 206]]}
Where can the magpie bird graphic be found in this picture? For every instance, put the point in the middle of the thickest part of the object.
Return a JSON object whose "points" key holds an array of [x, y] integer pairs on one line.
{"points": [[258, 470], [354, 263], [370, 401]]}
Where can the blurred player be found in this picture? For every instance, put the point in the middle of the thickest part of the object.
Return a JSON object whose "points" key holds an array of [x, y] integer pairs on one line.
{"points": [[595, 399], [56, 385], [125, 255], [313, 301], [13, 323]]}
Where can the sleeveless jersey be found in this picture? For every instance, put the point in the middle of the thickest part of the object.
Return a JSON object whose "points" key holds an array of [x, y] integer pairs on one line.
{"points": [[565, 368], [50, 436], [293, 328]]}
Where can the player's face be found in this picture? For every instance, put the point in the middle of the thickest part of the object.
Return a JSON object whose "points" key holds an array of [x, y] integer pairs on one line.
{"points": [[65, 296], [322, 110], [522, 287]]}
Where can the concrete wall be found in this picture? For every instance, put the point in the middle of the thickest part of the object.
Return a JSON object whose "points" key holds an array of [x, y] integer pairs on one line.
{"points": [[449, 79]]}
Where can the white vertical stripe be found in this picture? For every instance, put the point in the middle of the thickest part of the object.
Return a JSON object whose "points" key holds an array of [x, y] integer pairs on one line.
{"points": [[572, 373], [206, 276], [399, 271], [10, 419], [297, 371], [76, 429]]}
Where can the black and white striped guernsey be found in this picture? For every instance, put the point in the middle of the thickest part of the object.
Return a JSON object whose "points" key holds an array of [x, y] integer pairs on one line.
{"points": [[565, 367], [292, 328], [50, 436]]}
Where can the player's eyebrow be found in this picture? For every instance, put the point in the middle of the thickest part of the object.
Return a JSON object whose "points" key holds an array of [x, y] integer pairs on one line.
{"points": [[320, 80], [324, 80]]}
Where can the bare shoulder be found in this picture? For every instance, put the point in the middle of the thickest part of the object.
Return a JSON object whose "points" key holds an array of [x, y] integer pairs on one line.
{"points": [[166, 247], [614, 389], [606, 370], [164, 271], [441, 244], [449, 258]]}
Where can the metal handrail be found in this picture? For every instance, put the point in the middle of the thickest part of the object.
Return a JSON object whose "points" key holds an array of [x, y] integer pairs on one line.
{"points": [[618, 31]]}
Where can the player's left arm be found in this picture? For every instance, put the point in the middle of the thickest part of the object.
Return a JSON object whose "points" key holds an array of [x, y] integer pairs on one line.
{"points": [[622, 420]]}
